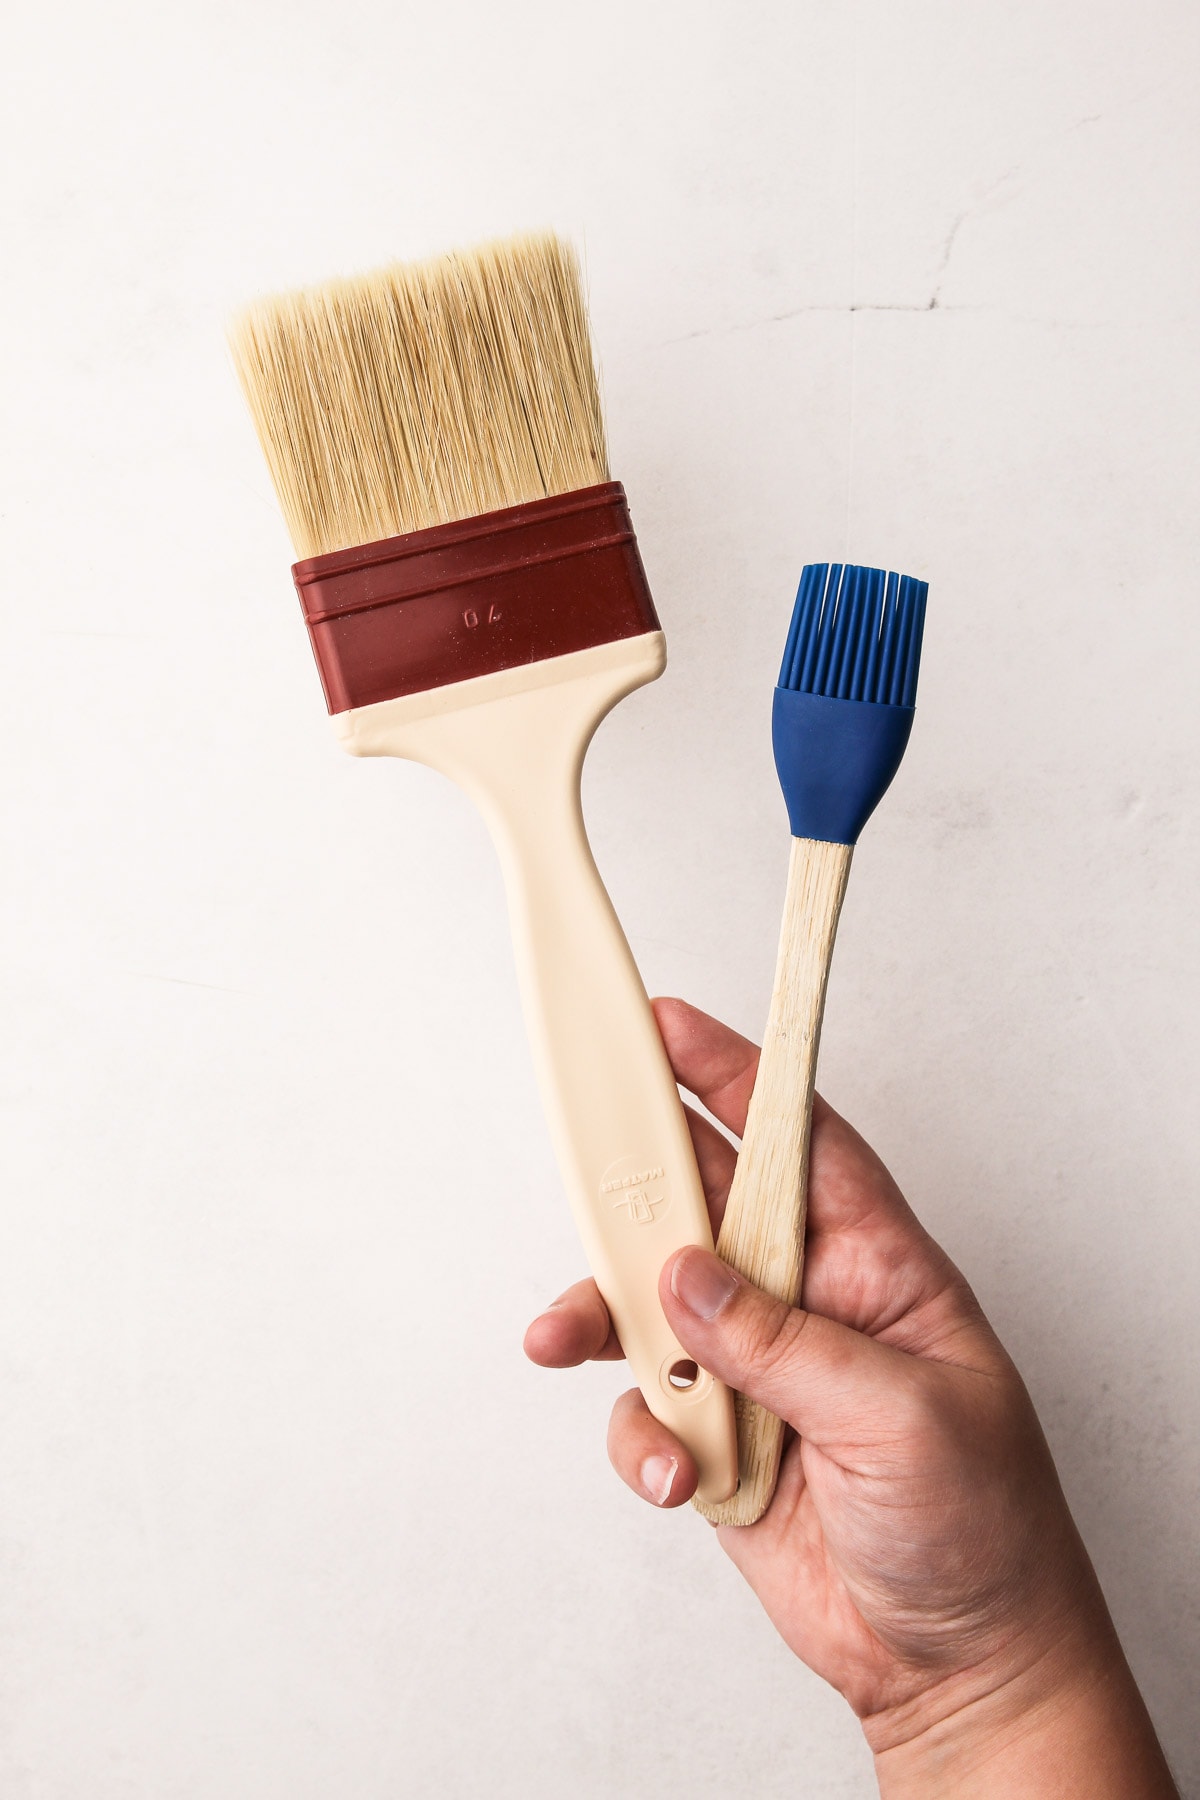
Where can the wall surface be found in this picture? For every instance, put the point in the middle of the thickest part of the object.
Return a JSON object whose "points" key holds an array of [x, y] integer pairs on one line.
{"points": [[284, 1512]]}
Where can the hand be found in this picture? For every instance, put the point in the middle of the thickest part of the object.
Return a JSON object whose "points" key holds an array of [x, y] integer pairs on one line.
{"points": [[918, 1553]]}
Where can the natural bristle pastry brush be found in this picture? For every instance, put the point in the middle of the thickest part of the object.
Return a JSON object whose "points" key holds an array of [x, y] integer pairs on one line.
{"points": [[843, 711], [476, 601]]}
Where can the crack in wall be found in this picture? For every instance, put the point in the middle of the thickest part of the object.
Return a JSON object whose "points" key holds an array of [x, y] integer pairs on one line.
{"points": [[935, 303]]}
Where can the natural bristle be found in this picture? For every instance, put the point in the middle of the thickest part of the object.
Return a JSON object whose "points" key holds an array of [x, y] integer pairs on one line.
{"points": [[424, 392], [856, 634]]}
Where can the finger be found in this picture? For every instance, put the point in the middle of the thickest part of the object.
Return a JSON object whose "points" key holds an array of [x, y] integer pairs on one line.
{"points": [[716, 1160], [870, 1263], [714, 1063], [849, 1187], [848, 1183], [574, 1329], [646, 1456], [834, 1385]]}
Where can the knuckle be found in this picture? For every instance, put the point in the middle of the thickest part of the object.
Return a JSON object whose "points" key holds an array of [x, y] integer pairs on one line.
{"points": [[773, 1339]]}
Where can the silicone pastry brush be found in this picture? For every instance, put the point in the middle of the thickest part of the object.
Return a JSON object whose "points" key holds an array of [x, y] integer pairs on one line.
{"points": [[842, 714], [476, 602]]}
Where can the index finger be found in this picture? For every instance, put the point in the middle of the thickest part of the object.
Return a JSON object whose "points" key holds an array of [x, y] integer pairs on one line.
{"points": [[849, 1185], [712, 1061]]}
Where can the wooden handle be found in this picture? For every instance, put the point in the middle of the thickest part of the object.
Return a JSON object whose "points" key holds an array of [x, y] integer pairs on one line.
{"points": [[515, 741], [763, 1231]]}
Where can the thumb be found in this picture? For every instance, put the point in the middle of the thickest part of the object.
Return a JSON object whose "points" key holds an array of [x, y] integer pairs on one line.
{"points": [[823, 1378]]}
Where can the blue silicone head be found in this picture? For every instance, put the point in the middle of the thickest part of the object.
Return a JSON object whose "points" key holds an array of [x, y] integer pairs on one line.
{"points": [[844, 704]]}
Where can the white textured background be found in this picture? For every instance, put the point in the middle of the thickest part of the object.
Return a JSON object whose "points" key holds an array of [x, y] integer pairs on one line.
{"points": [[284, 1514]]}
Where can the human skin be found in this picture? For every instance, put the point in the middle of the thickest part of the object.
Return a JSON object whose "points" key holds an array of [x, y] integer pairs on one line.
{"points": [[919, 1553]]}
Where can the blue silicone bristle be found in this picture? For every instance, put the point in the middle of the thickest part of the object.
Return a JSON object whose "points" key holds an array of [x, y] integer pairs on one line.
{"points": [[843, 708], [855, 635]]}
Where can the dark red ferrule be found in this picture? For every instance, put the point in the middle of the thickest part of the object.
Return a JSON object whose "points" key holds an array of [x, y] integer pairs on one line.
{"points": [[496, 592]]}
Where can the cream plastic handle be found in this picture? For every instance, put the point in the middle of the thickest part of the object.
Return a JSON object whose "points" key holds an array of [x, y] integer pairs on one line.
{"points": [[762, 1233], [515, 742]]}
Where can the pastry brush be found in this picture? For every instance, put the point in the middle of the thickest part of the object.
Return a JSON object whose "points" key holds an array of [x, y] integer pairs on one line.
{"points": [[475, 599], [842, 715]]}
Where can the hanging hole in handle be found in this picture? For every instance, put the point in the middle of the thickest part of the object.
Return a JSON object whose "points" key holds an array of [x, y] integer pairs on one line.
{"points": [[682, 1381]]}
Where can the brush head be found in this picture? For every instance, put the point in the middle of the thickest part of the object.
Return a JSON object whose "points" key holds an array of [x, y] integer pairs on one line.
{"points": [[425, 392], [435, 436], [856, 635], [843, 708]]}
